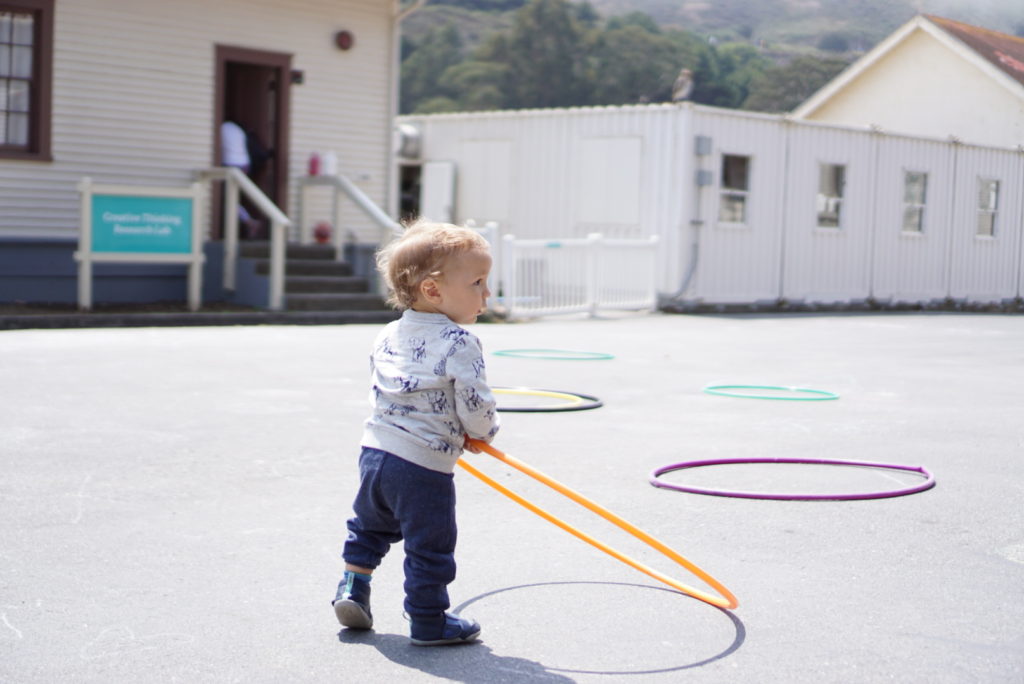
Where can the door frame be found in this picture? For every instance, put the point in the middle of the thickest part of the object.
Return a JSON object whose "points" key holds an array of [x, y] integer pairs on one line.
{"points": [[282, 62]]}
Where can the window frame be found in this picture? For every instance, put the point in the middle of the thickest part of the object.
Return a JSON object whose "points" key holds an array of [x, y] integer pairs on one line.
{"points": [[821, 198], [991, 212], [921, 208], [742, 194], [41, 96]]}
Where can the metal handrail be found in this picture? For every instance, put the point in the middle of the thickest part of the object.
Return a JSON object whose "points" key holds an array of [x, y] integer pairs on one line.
{"points": [[235, 179], [341, 183]]}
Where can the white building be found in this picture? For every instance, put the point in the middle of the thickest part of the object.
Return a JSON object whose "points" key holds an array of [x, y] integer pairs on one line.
{"points": [[933, 77], [135, 92], [747, 208]]}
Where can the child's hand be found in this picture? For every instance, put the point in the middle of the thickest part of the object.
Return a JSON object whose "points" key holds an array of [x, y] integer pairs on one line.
{"points": [[467, 444]]}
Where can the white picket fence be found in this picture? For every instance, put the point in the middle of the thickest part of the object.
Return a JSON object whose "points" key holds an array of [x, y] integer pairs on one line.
{"points": [[547, 277]]}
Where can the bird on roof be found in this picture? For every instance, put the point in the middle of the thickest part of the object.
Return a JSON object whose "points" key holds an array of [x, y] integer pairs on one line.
{"points": [[683, 86]]}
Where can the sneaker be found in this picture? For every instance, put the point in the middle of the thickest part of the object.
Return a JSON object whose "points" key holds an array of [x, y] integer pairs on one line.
{"points": [[352, 603], [445, 629]]}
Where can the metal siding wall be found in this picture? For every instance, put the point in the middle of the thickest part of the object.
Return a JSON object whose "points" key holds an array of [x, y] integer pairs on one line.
{"points": [[133, 97], [986, 269], [911, 267], [827, 264], [544, 193], [781, 252], [741, 263]]}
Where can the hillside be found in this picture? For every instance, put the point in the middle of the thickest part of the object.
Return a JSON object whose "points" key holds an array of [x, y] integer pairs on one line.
{"points": [[781, 27], [761, 55]]}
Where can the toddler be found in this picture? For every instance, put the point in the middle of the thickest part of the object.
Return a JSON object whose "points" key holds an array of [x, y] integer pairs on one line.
{"points": [[429, 394]]}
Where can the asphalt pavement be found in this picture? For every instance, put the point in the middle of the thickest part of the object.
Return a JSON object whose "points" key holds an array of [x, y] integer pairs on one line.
{"points": [[172, 505]]}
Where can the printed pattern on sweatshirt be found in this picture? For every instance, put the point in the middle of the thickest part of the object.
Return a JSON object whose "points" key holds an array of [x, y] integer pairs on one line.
{"points": [[429, 388]]}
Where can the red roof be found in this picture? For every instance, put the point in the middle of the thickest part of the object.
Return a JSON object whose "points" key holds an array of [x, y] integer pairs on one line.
{"points": [[1004, 51]]}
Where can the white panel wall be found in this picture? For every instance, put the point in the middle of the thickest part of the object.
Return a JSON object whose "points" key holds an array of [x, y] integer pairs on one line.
{"points": [[827, 264], [548, 195], [608, 175], [133, 97], [741, 262], [986, 269], [629, 172], [486, 192], [911, 266]]}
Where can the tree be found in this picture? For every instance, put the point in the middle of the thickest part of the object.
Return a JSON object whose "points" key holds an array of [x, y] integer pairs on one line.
{"points": [[834, 42], [547, 56], [632, 64], [484, 5], [740, 65], [479, 84], [422, 69], [781, 89]]}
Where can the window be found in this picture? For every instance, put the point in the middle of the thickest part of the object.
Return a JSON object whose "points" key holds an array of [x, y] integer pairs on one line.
{"points": [[988, 205], [831, 179], [26, 46], [915, 187], [732, 206]]}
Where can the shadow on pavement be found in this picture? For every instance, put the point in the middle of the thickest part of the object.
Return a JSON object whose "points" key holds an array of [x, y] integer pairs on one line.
{"points": [[473, 662]]}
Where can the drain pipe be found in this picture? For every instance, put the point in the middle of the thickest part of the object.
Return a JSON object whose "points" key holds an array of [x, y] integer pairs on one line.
{"points": [[702, 179], [394, 77], [401, 14]]}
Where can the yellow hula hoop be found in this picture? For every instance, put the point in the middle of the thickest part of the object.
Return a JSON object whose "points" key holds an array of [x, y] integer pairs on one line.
{"points": [[726, 599], [573, 399]]}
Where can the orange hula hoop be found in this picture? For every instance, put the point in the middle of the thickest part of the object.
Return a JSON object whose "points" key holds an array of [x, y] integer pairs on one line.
{"points": [[726, 599]]}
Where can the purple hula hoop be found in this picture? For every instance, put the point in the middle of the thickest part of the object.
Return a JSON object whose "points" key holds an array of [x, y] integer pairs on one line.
{"points": [[928, 483]]}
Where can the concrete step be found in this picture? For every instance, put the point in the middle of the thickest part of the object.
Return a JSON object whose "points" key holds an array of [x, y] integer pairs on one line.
{"points": [[308, 267], [258, 249], [316, 301], [295, 284]]}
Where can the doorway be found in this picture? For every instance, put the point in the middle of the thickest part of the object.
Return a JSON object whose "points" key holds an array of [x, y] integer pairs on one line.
{"points": [[252, 88]]}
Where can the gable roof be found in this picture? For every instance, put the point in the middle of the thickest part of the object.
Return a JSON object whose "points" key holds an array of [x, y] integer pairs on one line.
{"points": [[1000, 55], [1006, 52]]}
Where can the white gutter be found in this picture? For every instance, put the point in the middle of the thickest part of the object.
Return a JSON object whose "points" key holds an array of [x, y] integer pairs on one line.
{"points": [[402, 14], [395, 85]]}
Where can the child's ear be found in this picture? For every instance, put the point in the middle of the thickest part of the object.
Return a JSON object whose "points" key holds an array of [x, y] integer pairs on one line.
{"points": [[430, 291]]}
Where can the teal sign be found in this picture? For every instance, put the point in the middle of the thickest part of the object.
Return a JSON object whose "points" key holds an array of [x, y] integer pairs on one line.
{"points": [[131, 223]]}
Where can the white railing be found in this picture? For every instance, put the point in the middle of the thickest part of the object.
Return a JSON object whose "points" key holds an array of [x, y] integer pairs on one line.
{"points": [[234, 181], [546, 277], [340, 184], [490, 232]]}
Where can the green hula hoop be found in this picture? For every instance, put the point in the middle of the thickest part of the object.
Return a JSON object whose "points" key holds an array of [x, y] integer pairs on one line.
{"points": [[724, 391], [554, 354]]}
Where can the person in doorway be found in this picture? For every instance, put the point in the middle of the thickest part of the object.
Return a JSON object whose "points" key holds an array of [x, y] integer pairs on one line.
{"points": [[429, 395], [234, 144]]}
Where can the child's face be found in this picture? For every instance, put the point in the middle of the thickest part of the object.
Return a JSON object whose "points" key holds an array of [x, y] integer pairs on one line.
{"points": [[461, 293]]}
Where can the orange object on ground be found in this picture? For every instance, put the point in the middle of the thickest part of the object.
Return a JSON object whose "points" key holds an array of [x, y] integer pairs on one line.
{"points": [[726, 599]]}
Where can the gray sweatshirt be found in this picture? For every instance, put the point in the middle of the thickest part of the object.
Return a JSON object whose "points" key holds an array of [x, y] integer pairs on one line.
{"points": [[429, 389]]}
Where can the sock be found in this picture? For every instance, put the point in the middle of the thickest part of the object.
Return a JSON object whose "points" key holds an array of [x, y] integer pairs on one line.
{"points": [[359, 575]]}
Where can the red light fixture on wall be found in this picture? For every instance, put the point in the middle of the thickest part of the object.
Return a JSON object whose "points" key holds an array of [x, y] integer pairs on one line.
{"points": [[344, 40]]}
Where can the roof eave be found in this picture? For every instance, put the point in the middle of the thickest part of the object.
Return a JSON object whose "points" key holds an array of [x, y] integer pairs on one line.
{"points": [[919, 22], [848, 75]]}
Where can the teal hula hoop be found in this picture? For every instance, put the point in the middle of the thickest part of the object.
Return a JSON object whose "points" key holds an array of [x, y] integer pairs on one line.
{"points": [[815, 395], [554, 354]]}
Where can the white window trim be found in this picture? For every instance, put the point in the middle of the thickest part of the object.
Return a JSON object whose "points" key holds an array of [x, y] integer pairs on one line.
{"points": [[923, 206], [722, 190]]}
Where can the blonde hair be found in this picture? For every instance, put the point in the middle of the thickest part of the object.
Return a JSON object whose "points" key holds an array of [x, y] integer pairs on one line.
{"points": [[422, 252]]}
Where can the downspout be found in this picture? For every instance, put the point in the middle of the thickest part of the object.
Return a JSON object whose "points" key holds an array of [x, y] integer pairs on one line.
{"points": [[701, 179], [401, 14], [394, 78]]}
